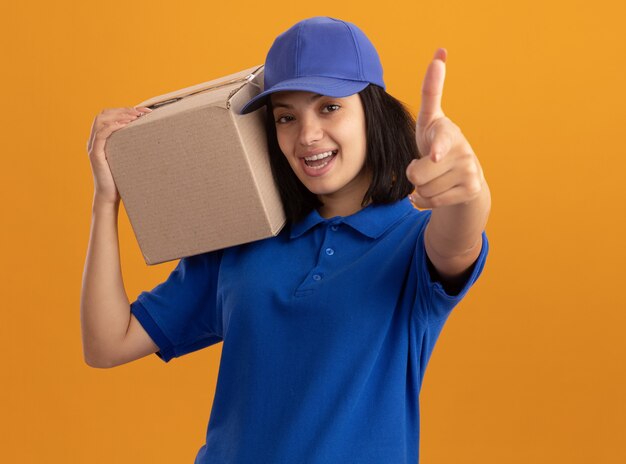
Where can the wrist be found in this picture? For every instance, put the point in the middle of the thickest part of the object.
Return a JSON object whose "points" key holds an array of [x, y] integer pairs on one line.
{"points": [[104, 205]]}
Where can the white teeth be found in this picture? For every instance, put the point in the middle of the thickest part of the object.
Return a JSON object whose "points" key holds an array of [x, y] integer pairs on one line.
{"points": [[320, 166], [320, 156]]}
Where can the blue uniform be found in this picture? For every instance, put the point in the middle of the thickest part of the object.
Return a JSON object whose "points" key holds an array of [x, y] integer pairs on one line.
{"points": [[327, 329]]}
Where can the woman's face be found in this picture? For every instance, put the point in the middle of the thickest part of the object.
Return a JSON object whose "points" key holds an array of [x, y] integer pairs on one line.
{"points": [[324, 141]]}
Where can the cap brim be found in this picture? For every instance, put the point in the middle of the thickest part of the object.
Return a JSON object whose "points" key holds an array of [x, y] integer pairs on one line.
{"points": [[322, 85]]}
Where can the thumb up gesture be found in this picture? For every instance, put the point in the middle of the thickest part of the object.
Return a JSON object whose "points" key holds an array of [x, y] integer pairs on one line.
{"points": [[448, 171]]}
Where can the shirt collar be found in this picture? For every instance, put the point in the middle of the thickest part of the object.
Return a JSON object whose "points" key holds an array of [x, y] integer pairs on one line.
{"points": [[371, 221]]}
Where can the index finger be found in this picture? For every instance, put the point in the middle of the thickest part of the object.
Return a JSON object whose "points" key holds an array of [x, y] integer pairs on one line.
{"points": [[432, 89]]}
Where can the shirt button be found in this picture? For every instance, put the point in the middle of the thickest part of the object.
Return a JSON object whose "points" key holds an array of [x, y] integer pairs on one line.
{"points": [[330, 251], [317, 277], [334, 228]]}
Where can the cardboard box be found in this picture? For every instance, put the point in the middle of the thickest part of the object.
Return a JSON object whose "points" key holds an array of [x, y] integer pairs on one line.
{"points": [[194, 175]]}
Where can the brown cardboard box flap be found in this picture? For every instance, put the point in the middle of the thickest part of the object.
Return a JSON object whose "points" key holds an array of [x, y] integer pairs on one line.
{"points": [[237, 80]]}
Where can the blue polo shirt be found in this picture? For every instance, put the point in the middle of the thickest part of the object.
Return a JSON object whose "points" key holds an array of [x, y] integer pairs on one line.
{"points": [[327, 330]]}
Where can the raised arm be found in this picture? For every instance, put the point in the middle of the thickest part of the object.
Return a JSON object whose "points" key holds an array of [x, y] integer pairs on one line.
{"points": [[111, 335], [448, 179]]}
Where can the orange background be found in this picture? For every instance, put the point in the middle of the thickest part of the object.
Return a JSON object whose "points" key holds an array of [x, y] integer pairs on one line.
{"points": [[530, 367]]}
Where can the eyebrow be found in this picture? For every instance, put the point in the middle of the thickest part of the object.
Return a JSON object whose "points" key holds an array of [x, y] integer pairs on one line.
{"points": [[314, 97]]}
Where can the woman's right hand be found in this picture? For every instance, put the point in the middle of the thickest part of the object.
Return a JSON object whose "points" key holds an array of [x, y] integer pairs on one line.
{"points": [[105, 123]]}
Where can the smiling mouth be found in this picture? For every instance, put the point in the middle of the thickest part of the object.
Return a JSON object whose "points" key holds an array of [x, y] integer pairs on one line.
{"points": [[321, 160]]}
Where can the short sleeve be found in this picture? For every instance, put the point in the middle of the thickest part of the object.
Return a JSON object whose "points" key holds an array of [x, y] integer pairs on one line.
{"points": [[434, 303], [181, 314]]}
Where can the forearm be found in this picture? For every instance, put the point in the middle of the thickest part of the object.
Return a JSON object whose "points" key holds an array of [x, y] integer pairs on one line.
{"points": [[104, 307], [456, 230]]}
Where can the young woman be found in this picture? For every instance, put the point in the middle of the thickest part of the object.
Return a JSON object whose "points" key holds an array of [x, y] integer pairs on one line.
{"points": [[327, 328]]}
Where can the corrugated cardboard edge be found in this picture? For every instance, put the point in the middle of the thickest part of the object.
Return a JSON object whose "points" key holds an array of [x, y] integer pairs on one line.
{"points": [[241, 78]]}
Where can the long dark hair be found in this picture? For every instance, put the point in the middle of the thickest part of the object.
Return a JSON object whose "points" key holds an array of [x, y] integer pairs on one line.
{"points": [[390, 138]]}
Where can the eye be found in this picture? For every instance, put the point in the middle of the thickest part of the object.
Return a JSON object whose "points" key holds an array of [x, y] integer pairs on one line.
{"points": [[332, 105], [285, 119], [280, 119]]}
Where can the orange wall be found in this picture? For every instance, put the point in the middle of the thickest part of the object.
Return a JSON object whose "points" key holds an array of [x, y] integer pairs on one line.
{"points": [[530, 367]]}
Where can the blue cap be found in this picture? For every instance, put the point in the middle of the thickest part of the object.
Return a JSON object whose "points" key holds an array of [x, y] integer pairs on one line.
{"points": [[324, 55]]}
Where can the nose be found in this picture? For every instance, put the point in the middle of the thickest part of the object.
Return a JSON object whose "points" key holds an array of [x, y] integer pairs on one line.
{"points": [[310, 130]]}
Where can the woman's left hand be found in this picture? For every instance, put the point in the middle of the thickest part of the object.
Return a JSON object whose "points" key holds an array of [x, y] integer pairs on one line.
{"points": [[448, 171]]}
